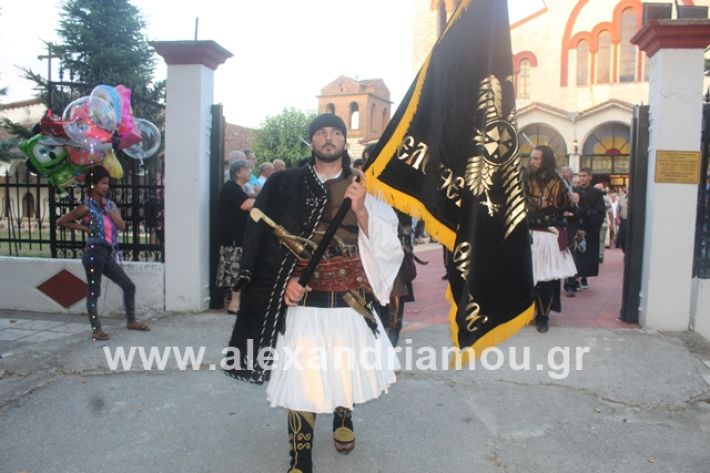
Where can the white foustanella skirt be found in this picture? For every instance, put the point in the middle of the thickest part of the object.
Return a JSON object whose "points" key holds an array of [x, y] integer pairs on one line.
{"points": [[549, 263], [329, 358]]}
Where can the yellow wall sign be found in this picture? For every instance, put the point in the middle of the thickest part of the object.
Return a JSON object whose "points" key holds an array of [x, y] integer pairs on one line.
{"points": [[678, 167]]}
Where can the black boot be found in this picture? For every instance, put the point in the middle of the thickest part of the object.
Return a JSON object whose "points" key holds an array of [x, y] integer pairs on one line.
{"points": [[343, 433], [300, 440], [543, 323]]}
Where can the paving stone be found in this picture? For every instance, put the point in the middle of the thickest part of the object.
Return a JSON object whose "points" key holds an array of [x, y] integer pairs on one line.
{"points": [[42, 324], [71, 328], [10, 334], [13, 323], [44, 336]]}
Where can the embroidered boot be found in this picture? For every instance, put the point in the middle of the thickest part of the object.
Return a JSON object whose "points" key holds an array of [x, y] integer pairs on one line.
{"points": [[300, 440], [343, 433]]}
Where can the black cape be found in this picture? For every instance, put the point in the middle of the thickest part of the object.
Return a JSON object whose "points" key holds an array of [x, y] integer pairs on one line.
{"points": [[295, 199]]}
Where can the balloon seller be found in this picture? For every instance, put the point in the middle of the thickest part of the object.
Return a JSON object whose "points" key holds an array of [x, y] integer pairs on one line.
{"points": [[100, 219]]}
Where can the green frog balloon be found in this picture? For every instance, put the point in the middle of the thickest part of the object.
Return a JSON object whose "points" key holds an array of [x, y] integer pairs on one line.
{"points": [[49, 160]]}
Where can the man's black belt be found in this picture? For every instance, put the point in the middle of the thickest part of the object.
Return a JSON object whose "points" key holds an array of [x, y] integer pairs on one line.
{"points": [[327, 299]]}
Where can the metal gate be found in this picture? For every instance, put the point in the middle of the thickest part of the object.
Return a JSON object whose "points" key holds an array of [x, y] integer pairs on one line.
{"points": [[633, 244], [701, 260], [216, 182]]}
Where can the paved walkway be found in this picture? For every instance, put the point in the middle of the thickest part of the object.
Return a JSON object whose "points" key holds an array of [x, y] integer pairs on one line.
{"points": [[596, 307], [20, 329], [585, 399]]}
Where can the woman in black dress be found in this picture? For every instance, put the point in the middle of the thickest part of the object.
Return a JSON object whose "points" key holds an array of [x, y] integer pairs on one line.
{"points": [[233, 207]]}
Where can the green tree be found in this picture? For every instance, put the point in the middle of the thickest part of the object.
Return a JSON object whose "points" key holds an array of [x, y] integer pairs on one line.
{"points": [[8, 147], [282, 136], [101, 42]]}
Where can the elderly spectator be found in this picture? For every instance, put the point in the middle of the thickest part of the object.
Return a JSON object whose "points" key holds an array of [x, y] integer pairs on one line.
{"points": [[252, 187], [279, 165], [265, 170], [233, 208], [235, 155]]}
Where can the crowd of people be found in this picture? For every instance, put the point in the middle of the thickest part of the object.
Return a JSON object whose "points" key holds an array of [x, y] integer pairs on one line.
{"points": [[571, 223], [354, 300]]}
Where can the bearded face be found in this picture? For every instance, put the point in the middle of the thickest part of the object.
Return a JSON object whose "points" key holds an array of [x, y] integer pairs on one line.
{"points": [[328, 144]]}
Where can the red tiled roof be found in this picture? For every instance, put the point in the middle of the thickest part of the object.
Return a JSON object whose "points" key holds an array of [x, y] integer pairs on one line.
{"points": [[238, 137]]}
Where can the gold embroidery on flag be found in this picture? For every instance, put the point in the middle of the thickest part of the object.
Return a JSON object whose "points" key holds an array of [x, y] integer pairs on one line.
{"points": [[473, 315], [451, 184], [462, 258], [415, 154]]}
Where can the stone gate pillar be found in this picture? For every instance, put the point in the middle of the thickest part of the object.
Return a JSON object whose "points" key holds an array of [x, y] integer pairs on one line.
{"points": [[675, 49], [190, 87]]}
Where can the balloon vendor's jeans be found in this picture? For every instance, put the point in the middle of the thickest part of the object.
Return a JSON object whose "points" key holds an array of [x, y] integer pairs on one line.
{"points": [[98, 260]]}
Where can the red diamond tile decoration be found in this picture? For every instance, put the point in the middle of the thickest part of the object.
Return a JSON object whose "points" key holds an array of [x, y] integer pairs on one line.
{"points": [[64, 288]]}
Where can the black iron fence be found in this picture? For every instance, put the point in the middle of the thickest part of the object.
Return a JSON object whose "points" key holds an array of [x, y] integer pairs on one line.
{"points": [[701, 261], [30, 207]]}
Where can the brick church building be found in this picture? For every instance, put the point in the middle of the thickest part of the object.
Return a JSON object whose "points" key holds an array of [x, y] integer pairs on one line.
{"points": [[576, 73]]}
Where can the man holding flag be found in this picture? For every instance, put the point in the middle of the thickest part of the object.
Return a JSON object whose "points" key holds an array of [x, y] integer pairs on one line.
{"points": [[449, 156], [322, 339]]}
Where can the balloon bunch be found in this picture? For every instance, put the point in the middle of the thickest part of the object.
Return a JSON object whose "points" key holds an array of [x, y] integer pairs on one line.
{"points": [[88, 133]]}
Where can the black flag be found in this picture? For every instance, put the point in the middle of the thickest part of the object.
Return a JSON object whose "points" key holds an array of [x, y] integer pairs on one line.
{"points": [[450, 156]]}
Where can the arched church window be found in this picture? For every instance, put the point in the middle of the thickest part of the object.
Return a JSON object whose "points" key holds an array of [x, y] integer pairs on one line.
{"points": [[604, 58], [537, 134], [582, 63], [28, 206], [606, 150], [330, 108], [627, 51], [354, 116], [7, 206], [524, 79]]}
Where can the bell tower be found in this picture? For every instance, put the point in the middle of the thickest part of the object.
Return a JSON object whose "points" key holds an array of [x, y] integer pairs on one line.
{"points": [[363, 105]]}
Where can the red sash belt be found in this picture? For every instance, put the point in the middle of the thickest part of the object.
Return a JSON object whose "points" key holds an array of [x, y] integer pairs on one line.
{"points": [[337, 274]]}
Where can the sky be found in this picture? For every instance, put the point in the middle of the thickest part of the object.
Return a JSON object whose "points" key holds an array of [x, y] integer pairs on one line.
{"points": [[285, 51]]}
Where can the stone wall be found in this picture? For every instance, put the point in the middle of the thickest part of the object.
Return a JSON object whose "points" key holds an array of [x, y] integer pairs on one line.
{"points": [[21, 277]]}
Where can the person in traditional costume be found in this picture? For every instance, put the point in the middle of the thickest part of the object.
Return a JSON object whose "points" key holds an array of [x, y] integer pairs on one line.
{"points": [[312, 327], [392, 314], [552, 261]]}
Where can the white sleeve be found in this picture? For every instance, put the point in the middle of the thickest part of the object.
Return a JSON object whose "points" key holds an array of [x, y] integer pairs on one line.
{"points": [[381, 252]]}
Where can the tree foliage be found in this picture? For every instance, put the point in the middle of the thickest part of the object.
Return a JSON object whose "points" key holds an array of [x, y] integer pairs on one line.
{"points": [[282, 136], [102, 42]]}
